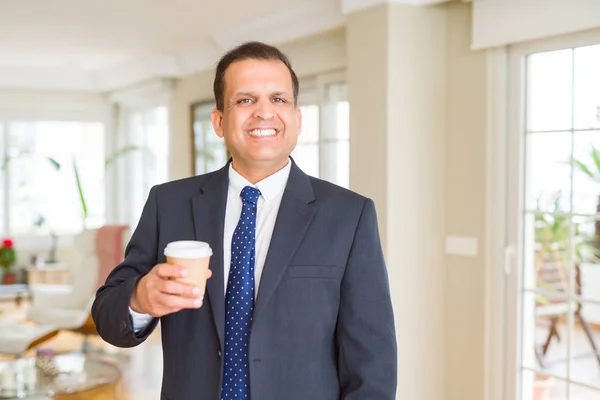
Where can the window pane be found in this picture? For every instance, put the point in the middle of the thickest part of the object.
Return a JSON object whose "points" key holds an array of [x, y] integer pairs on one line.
{"points": [[539, 387], [148, 131], [587, 87], [307, 158], [337, 109], [41, 192], [211, 152], [550, 90], [584, 361], [156, 123], [548, 171], [541, 322], [586, 176], [336, 162], [578, 392], [310, 124]]}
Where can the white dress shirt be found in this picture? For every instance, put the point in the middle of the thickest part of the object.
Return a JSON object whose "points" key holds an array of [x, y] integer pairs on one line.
{"points": [[271, 192]]}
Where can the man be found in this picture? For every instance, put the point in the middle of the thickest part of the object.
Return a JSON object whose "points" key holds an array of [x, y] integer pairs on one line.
{"points": [[316, 319]]}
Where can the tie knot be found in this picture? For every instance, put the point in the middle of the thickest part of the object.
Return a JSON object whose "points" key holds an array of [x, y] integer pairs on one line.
{"points": [[250, 195]]}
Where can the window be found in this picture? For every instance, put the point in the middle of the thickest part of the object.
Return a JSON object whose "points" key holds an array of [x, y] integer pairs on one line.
{"points": [[146, 159], [323, 148], [41, 193], [306, 153], [557, 190], [209, 151]]}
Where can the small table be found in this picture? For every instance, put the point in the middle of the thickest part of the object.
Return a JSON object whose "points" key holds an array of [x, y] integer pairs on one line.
{"points": [[53, 273], [79, 376], [14, 292]]}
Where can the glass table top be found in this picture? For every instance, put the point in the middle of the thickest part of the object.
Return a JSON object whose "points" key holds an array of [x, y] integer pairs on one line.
{"points": [[37, 378]]}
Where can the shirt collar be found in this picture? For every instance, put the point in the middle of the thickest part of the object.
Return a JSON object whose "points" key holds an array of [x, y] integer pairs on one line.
{"points": [[269, 187]]}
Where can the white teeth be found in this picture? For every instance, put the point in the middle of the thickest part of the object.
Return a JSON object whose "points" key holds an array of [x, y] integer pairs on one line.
{"points": [[263, 132]]}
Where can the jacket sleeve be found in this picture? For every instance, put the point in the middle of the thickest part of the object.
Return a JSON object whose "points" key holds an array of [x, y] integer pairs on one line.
{"points": [[367, 349], [110, 310]]}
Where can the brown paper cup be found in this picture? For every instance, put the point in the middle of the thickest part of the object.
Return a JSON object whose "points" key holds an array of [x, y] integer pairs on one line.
{"points": [[193, 255]]}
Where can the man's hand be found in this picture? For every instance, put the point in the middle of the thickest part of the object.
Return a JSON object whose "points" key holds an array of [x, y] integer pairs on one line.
{"points": [[159, 294]]}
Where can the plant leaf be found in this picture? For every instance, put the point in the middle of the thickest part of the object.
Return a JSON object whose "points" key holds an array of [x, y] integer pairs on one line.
{"points": [[122, 151], [54, 163], [596, 157], [584, 168], [80, 190]]}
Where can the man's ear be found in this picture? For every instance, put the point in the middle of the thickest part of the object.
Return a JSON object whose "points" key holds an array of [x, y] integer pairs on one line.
{"points": [[216, 117], [299, 119]]}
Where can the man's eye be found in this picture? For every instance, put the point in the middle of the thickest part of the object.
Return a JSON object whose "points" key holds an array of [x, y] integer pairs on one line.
{"points": [[278, 100], [244, 101]]}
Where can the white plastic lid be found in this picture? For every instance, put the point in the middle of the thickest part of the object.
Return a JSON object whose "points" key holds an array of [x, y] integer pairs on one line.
{"points": [[188, 249]]}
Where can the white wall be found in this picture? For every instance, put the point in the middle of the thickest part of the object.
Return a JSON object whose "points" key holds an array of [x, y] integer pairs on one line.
{"points": [[48, 105], [397, 90], [501, 22], [465, 190]]}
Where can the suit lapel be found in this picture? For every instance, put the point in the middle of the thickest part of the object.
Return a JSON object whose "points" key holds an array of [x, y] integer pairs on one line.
{"points": [[209, 216], [293, 218]]}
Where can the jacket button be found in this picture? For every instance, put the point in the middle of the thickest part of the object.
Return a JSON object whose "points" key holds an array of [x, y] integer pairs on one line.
{"points": [[219, 353]]}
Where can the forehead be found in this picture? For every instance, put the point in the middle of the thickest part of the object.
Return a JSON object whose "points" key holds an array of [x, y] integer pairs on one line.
{"points": [[257, 74]]}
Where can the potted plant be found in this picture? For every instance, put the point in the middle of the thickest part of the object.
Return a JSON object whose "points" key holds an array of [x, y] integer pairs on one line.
{"points": [[8, 259], [552, 240], [592, 171], [542, 386]]}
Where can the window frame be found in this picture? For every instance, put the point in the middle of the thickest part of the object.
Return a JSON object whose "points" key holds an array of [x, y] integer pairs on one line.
{"points": [[506, 100]]}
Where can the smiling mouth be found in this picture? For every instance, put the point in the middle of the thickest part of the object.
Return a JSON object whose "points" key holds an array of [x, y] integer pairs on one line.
{"points": [[262, 132]]}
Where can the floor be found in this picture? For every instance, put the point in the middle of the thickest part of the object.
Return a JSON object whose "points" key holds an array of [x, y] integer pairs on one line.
{"points": [[584, 366], [141, 367]]}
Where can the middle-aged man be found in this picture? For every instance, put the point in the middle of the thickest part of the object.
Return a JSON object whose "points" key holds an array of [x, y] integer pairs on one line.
{"points": [[316, 321]]}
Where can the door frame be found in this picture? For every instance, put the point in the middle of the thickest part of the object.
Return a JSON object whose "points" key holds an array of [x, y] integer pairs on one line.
{"points": [[506, 100]]}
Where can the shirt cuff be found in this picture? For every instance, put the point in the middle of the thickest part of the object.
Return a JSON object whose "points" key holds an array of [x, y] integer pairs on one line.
{"points": [[139, 321]]}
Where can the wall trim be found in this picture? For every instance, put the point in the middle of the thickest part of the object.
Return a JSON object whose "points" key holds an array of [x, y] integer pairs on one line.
{"points": [[350, 6], [496, 214]]}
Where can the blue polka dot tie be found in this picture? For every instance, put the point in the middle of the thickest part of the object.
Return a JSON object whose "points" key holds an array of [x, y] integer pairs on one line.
{"points": [[239, 301]]}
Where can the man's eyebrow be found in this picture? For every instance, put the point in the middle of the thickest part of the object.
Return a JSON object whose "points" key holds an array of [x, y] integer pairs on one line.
{"points": [[249, 94]]}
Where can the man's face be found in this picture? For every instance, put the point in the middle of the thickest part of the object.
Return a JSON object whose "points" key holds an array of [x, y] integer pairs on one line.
{"points": [[259, 121]]}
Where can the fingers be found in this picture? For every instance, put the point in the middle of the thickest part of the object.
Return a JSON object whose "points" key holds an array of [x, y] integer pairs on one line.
{"points": [[159, 293], [176, 303], [178, 288], [168, 271]]}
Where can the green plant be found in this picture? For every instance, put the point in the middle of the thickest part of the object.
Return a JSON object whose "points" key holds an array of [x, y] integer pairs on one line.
{"points": [[8, 256], [592, 171], [552, 238], [110, 160], [552, 232]]}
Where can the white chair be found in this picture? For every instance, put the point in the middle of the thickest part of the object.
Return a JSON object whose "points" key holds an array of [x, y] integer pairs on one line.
{"points": [[16, 337], [69, 307]]}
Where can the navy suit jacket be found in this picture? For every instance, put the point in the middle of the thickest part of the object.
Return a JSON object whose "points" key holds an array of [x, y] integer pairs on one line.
{"points": [[323, 327]]}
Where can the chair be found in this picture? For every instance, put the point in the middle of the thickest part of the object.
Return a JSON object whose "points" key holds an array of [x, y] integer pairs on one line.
{"points": [[553, 277], [69, 308], [16, 337]]}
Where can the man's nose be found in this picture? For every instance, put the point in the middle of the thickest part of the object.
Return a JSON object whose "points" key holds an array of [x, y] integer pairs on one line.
{"points": [[264, 110]]}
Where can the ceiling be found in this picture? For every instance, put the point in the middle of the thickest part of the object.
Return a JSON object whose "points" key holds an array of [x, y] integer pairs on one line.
{"points": [[99, 45]]}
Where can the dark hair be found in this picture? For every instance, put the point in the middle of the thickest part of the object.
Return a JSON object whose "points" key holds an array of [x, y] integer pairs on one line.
{"points": [[249, 51]]}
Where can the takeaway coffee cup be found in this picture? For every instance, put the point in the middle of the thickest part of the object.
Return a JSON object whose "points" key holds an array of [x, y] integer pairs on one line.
{"points": [[193, 255]]}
